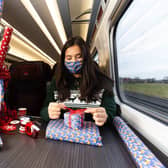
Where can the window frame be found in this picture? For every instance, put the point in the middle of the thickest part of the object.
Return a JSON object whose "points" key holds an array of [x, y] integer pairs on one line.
{"points": [[94, 53], [155, 114]]}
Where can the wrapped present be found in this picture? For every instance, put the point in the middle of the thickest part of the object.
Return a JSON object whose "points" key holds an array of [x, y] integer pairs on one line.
{"points": [[88, 134], [74, 118]]}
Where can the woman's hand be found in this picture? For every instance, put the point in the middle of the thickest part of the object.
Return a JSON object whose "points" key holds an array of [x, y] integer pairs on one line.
{"points": [[54, 110], [99, 115]]}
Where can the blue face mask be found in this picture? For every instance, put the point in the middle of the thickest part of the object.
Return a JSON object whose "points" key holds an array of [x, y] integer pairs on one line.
{"points": [[74, 67]]}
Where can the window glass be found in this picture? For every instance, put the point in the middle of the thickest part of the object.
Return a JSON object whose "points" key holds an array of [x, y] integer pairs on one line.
{"points": [[142, 54]]}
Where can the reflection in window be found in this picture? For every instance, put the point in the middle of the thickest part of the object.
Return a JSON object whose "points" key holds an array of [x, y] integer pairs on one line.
{"points": [[142, 48]]}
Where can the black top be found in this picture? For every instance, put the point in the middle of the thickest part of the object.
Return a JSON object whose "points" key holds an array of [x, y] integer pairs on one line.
{"points": [[107, 100]]}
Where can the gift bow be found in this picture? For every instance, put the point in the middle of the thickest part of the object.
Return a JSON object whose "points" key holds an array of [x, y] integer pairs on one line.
{"points": [[71, 112]]}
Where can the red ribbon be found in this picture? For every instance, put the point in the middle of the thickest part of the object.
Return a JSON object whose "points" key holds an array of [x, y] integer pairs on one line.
{"points": [[78, 111], [28, 128], [33, 132]]}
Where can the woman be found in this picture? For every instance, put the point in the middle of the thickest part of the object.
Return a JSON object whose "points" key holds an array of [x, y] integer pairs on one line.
{"points": [[77, 71]]}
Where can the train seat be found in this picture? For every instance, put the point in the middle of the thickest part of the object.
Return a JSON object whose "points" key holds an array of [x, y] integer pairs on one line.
{"points": [[27, 86]]}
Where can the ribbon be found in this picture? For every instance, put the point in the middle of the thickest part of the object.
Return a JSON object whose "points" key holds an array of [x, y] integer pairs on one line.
{"points": [[31, 129], [28, 128], [78, 111]]}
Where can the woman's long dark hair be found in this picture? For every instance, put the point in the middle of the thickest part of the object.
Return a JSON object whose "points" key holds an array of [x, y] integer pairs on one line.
{"points": [[91, 76]]}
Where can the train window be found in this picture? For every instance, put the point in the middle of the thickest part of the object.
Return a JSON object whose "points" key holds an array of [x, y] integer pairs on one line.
{"points": [[141, 39]]}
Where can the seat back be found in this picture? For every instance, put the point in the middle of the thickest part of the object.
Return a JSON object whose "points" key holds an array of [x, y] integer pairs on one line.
{"points": [[27, 86]]}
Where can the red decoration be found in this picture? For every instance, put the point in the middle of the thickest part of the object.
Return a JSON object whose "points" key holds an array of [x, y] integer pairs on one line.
{"points": [[4, 73], [8, 127], [5, 46], [32, 130], [6, 114]]}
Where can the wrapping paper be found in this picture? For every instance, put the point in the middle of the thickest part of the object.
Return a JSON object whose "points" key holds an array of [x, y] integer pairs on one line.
{"points": [[88, 134], [142, 156], [1, 7], [1, 93]]}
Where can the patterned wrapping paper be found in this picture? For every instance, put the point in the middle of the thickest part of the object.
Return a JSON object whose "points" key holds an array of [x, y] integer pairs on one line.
{"points": [[142, 156], [74, 121], [1, 92], [89, 134], [1, 7]]}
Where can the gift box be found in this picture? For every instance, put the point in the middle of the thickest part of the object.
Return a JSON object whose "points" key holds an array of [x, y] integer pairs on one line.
{"points": [[88, 134], [74, 119]]}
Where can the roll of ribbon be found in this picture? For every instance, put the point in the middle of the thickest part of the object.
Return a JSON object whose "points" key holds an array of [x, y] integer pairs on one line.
{"points": [[74, 118], [22, 112], [32, 130], [15, 123], [23, 122]]}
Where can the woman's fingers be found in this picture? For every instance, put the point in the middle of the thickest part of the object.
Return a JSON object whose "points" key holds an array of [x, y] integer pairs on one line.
{"points": [[61, 105], [53, 105], [54, 110], [99, 123], [54, 115], [90, 110], [99, 115]]}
